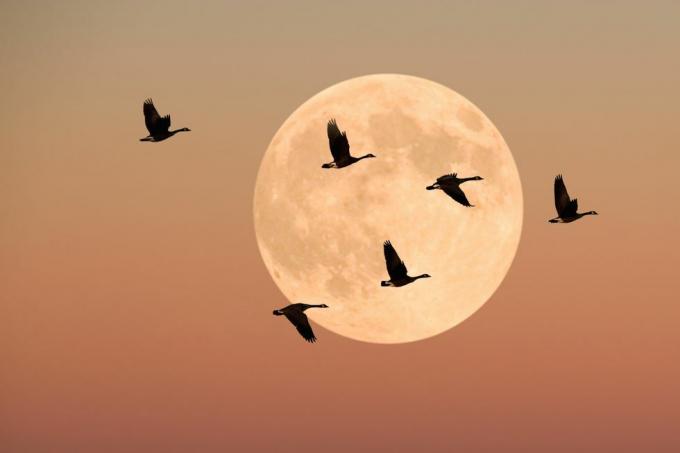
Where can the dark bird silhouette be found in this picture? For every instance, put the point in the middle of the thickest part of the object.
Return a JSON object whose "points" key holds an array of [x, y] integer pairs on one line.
{"points": [[340, 148], [397, 269], [296, 315], [157, 125], [565, 206], [450, 184]]}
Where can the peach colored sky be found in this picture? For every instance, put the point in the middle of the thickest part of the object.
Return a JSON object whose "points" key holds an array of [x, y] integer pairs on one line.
{"points": [[135, 311]]}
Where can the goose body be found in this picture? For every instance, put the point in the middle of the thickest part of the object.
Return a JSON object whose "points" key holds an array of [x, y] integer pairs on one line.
{"points": [[339, 146], [450, 185], [565, 206], [158, 126], [396, 268], [295, 313]]}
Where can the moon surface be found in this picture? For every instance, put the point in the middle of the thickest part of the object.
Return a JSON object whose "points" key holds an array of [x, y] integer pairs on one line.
{"points": [[321, 231]]}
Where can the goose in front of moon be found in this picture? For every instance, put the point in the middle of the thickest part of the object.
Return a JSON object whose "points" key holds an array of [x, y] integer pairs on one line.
{"points": [[450, 185], [339, 145], [397, 269]]}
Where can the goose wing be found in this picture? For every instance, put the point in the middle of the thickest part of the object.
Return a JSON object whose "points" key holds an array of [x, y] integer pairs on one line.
{"points": [[454, 191], [447, 178], [154, 122], [301, 323], [395, 266], [564, 205], [337, 141]]}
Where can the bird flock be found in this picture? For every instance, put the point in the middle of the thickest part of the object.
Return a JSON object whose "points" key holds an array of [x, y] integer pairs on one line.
{"points": [[338, 143]]}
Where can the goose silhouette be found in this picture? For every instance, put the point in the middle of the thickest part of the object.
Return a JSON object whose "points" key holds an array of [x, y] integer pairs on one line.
{"points": [[339, 145], [295, 313], [450, 185], [397, 269], [565, 206], [158, 126]]}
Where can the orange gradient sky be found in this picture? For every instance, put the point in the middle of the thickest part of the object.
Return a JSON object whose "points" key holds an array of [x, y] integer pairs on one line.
{"points": [[135, 310]]}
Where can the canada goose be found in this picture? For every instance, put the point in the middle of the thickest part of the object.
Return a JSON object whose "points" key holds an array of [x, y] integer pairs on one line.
{"points": [[157, 125], [296, 315], [340, 148], [450, 184], [397, 269], [565, 206]]}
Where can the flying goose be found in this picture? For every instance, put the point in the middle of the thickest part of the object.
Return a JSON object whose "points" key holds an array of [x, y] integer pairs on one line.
{"points": [[157, 125], [397, 269], [565, 206], [450, 184], [339, 145], [296, 315]]}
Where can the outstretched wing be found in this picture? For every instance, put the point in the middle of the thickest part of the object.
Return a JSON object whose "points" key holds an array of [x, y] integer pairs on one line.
{"points": [[301, 323], [564, 205], [154, 122], [395, 266], [455, 192], [337, 141], [445, 178]]}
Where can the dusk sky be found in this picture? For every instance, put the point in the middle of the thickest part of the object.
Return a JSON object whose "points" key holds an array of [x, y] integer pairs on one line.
{"points": [[136, 311]]}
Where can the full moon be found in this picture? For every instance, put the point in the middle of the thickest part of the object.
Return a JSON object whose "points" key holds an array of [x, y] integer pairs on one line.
{"points": [[321, 231]]}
